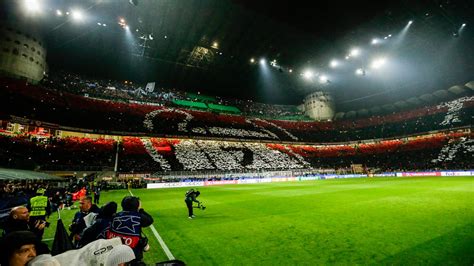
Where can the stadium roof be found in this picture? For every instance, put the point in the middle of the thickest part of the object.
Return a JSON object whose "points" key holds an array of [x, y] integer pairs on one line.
{"points": [[206, 45], [15, 174]]}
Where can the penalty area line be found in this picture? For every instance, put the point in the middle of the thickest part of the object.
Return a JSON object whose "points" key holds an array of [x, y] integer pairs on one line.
{"points": [[160, 240]]}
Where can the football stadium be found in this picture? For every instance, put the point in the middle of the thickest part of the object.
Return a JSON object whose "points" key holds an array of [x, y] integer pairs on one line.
{"points": [[236, 132]]}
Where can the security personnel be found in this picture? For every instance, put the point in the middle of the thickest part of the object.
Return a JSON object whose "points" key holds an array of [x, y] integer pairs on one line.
{"points": [[39, 208]]}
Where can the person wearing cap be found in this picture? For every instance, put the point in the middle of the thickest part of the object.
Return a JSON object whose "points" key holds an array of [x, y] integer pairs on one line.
{"points": [[19, 220], [39, 208], [128, 225], [19, 247], [110, 252]]}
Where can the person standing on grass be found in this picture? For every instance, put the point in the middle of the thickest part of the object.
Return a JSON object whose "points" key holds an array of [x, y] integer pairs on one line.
{"points": [[96, 194], [190, 196]]}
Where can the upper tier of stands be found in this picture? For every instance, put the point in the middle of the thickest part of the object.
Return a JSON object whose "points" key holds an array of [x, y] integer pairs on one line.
{"points": [[67, 110]]}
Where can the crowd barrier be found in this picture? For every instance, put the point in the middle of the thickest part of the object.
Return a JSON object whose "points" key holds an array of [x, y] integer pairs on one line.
{"points": [[305, 178]]}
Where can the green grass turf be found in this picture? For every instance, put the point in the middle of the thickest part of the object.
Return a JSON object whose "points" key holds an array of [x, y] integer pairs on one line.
{"points": [[379, 221]]}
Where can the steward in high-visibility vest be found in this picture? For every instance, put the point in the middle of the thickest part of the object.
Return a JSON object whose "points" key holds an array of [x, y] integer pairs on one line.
{"points": [[39, 208]]}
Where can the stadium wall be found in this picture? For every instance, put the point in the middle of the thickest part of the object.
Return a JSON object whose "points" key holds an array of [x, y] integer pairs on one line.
{"points": [[305, 178]]}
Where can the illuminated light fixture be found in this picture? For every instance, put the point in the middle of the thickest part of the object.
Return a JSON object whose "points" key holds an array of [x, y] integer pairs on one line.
{"points": [[149, 36], [215, 45], [262, 61], [390, 35], [463, 25], [126, 27], [166, 37], [32, 6], [59, 12], [385, 37], [105, 25], [77, 15], [67, 13], [98, 23], [334, 63], [323, 79], [354, 52], [252, 60], [347, 57], [375, 41], [122, 20], [360, 72], [410, 22], [377, 63], [137, 30], [290, 70], [273, 63], [308, 74]]}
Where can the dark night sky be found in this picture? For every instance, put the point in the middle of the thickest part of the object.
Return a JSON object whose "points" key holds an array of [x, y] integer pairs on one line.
{"points": [[299, 34]]}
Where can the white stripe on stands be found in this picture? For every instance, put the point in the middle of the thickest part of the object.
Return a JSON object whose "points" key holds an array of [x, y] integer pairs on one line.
{"points": [[160, 240]]}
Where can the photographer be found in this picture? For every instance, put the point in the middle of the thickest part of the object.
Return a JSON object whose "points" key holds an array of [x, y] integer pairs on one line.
{"points": [[19, 220], [128, 225], [190, 197]]}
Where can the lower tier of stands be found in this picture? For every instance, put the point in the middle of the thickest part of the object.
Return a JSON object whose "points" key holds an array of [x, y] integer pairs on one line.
{"points": [[443, 150]]}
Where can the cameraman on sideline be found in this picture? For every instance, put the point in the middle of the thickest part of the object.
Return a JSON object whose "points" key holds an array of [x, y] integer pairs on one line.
{"points": [[191, 196]]}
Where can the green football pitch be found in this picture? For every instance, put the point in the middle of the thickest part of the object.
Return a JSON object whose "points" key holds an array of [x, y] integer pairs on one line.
{"points": [[378, 221]]}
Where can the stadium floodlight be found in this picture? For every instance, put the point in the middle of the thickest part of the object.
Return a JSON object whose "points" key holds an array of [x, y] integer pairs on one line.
{"points": [[360, 72], [377, 63], [375, 41], [77, 15], [290, 70], [308, 74], [252, 60], [354, 52], [463, 25], [32, 6], [410, 22], [59, 13], [323, 79], [263, 61], [334, 63]]}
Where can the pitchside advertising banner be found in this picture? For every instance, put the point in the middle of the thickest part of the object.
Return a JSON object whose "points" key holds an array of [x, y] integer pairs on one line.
{"points": [[303, 178], [439, 173]]}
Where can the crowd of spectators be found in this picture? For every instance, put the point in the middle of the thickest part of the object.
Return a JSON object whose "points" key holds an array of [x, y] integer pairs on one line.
{"points": [[165, 154], [127, 91], [21, 241], [68, 110]]}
